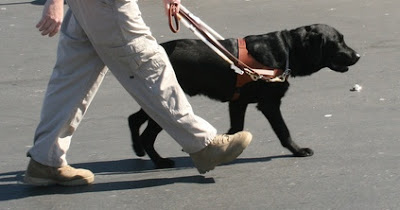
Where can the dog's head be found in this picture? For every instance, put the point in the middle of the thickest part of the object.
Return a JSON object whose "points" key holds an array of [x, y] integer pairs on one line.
{"points": [[318, 46]]}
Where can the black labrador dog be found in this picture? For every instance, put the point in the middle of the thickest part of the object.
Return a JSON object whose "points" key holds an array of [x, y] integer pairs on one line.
{"points": [[200, 71]]}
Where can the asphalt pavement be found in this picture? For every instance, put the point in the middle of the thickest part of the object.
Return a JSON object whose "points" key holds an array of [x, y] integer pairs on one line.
{"points": [[355, 135]]}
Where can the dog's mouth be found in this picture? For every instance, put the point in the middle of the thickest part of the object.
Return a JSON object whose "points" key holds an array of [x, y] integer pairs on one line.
{"points": [[342, 62], [339, 68]]}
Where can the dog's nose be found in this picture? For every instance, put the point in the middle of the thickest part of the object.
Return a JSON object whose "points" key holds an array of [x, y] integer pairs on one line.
{"points": [[357, 57]]}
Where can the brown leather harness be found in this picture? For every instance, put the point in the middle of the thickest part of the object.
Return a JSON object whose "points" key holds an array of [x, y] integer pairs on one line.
{"points": [[246, 58], [247, 68]]}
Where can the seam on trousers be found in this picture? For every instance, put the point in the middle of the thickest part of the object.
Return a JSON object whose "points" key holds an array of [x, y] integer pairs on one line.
{"points": [[67, 126]]}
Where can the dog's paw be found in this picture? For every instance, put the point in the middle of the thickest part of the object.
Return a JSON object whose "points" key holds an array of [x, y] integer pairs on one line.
{"points": [[304, 152], [165, 163], [139, 150]]}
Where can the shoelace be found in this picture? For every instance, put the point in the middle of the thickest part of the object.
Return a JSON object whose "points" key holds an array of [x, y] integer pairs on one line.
{"points": [[224, 139]]}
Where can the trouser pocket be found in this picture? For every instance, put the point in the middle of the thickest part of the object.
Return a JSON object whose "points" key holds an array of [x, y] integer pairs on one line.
{"points": [[143, 56]]}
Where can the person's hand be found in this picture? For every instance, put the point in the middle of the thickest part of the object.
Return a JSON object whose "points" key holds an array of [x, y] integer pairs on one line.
{"points": [[52, 17], [168, 2]]}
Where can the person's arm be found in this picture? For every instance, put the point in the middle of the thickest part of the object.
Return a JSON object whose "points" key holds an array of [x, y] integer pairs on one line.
{"points": [[168, 2], [52, 17]]}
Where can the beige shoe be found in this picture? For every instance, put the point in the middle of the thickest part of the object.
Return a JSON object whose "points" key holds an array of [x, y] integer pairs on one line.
{"points": [[222, 149], [42, 175]]}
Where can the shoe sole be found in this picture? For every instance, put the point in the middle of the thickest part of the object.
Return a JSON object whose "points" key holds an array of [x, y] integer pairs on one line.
{"points": [[48, 182]]}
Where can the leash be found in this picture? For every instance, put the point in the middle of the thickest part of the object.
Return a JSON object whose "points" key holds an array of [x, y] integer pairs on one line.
{"points": [[210, 38]]}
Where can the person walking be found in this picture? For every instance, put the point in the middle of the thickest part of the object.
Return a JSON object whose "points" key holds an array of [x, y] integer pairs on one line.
{"points": [[97, 35]]}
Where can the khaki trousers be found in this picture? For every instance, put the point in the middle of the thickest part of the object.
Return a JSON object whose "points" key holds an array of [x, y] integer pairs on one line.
{"points": [[97, 34]]}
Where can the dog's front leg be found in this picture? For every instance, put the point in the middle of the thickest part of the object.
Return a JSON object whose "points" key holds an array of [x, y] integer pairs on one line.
{"points": [[237, 111], [273, 113]]}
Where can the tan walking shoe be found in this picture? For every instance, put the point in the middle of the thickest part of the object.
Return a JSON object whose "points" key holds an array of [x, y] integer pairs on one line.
{"points": [[222, 149], [42, 175]]}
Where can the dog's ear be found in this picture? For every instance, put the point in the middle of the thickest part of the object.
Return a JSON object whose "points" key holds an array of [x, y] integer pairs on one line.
{"points": [[315, 42]]}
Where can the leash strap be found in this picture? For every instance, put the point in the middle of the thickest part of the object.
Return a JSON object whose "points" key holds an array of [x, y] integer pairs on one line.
{"points": [[172, 16]]}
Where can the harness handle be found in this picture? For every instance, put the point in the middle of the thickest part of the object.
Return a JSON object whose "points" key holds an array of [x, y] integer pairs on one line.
{"points": [[173, 15], [208, 37]]}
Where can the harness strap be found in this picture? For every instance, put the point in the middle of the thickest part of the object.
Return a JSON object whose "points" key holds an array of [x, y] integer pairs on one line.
{"points": [[246, 58]]}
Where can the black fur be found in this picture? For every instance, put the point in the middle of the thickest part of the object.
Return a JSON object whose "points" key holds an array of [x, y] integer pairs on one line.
{"points": [[201, 72]]}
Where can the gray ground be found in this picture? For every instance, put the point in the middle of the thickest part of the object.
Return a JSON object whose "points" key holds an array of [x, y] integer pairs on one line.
{"points": [[355, 135]]}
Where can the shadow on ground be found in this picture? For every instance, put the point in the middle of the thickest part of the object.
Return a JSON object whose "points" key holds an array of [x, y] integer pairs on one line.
{"points": [[36, 2], [12, 187]]}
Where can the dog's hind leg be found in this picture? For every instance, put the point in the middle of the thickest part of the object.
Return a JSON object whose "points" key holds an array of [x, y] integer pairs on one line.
{"points": [[148, 138], [135, 121], [273, 113], [237, 111]]}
